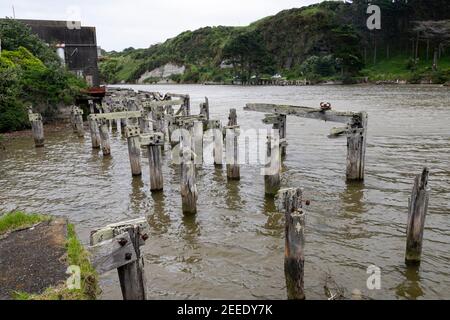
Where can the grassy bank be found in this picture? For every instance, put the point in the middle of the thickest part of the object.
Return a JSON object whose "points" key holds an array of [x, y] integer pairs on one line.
{"points": [[76, 255], [403, 68], [18, 220]]}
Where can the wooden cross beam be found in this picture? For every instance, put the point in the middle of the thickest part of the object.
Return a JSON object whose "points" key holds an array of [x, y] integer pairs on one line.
{"points": [[303, 112], [115, 115], [153, 104]]}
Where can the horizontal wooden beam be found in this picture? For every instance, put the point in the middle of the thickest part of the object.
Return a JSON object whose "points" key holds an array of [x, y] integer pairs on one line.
{"points": [[115, 229], [115, 115], [152, 104], [34, 117], [303, 112], [155, 139], [113, 253]]}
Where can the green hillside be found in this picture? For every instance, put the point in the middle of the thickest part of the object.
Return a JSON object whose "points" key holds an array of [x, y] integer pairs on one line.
{"points": [[326, 41]]}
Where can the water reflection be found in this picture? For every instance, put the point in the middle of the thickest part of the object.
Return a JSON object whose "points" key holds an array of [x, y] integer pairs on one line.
{"points": [[410, 288], [190, 230], [232, 197], [275, 223], [159, 218], [352, 198], [137, 195]]}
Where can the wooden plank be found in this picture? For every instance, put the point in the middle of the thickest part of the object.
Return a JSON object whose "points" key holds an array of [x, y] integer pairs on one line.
{"points": [[156, 138], [303, 112], [113, 253], [115, 115], [114, 229], [418, 207], [163, 103]]}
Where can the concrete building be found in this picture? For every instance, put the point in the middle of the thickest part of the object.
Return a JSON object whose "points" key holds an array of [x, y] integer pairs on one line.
{"points": [[76, 45]]}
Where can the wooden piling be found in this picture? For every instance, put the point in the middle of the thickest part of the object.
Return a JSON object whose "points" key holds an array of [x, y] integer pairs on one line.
{"points": [[232, 118], [104, 138], [118, 246], [356, 147], [216, 128], [95, 134], [37, 128], [418, 207], [290, 202], [188, 182], [153, 142], [132, 133], [204, 108], [197, 133], [232, 152], [272, 180], [78, 119]]}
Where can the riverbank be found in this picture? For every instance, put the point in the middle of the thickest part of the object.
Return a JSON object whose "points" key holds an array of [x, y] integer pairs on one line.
{"points": [[30, 240]]}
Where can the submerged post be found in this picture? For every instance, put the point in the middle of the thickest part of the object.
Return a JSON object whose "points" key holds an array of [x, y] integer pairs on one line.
{"points": [[356, 147], [132, 133], [154, 142], [290, 202], [418, 207], [37, 128], [188, 180], [78, 119], [95, 134], [204, 108], [197, 131], [272, 170], [104, 138], [217, 133]]}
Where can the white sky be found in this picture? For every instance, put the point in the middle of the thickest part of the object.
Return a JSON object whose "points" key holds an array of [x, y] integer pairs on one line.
{"points": [[138, 23]]}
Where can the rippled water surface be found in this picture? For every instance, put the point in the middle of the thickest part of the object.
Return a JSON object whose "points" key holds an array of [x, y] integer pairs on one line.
{"points": [[234, 247]]}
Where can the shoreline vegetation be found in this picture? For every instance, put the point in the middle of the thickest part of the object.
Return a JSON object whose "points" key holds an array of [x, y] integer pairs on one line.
{"points": [[76, 255], [327, 43]]}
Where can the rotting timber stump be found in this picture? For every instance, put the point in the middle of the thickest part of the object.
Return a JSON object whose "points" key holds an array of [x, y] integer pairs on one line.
{"points": [[289, 201], [272, 179], [417, 211], [37, 129]]}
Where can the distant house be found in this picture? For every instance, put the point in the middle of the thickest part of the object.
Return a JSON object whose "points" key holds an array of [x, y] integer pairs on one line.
{"points": [[76, 45]]}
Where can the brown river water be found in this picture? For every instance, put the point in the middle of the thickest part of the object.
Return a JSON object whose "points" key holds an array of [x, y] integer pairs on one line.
{"points": [[234, 247]]}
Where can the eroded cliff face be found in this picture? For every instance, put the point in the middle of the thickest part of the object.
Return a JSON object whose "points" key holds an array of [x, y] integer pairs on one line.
{"points": [[163, 72]]}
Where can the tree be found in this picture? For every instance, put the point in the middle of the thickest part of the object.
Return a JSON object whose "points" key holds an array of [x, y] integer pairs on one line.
{"points": [[438, 32], [346, 49], [247, 53]]}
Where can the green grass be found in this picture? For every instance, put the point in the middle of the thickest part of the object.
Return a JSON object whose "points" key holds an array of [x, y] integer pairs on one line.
{"points": [[78, 256], [396, 68], [17, 220]]}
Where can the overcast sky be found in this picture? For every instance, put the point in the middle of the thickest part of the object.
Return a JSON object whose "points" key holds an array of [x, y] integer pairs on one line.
{"points": [[138, 23]]}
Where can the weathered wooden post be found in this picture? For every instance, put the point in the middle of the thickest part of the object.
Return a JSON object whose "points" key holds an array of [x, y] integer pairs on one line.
{"points": [[418, 207], [197, 133], [104, 138], [186, 105], [232, 118], [204, 108], [132, 133], [72, 118], [278, 122], [356, 147], [37, 128], [78, 119], [188, 180], [272, 169], [232, 147], [290, 202], [217, 132], [95, 134], [117, 246], [153, 142]]}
